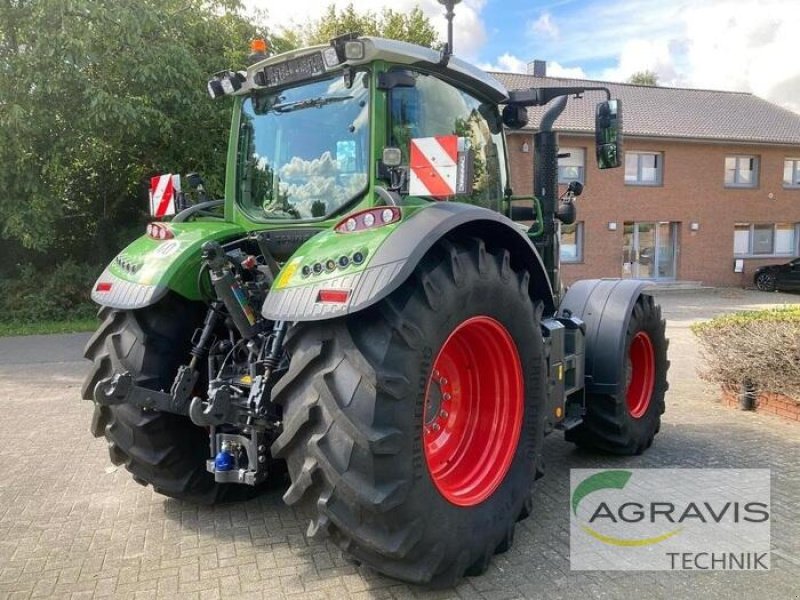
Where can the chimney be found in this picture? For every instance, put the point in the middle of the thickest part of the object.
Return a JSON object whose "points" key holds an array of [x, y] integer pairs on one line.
{"points": [[537, 68]]}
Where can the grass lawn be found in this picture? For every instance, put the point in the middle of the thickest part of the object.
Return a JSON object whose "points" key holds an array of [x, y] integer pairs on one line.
{"points": [[45, 327]]}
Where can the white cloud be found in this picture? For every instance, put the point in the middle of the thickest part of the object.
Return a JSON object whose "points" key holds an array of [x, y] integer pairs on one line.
{"points": [[644, 55], [748, 46], [544, 26], [556, 70], [468, 32], [507, 63]]}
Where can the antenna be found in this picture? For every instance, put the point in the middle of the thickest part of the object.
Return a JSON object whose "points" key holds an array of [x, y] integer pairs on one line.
{"points": [[447, 51]]}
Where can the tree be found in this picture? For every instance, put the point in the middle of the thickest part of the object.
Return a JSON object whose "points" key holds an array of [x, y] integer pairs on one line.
{"points": [[412, 26], [96, 96], [646, 77]]}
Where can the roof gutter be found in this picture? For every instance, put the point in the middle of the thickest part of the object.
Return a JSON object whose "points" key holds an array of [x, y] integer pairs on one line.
{"points": [[666, 138]]}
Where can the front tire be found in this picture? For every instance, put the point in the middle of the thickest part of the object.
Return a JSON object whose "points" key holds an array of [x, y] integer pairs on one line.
{"points": [[370, 400], [626, 422], [161, 449]]}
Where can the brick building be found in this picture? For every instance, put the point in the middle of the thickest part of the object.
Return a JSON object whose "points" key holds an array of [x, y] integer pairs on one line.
{"points": [[710, 183]]}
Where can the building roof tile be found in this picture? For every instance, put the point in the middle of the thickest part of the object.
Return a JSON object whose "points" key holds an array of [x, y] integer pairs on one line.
{"points": [[671, 112]]}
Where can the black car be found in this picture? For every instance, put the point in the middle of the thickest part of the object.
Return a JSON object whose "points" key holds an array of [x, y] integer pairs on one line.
{"points": [[784, 277]]}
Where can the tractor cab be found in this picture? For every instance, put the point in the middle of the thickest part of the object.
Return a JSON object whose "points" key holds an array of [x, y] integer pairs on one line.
{"points": [[367, 122], [327, 129]]}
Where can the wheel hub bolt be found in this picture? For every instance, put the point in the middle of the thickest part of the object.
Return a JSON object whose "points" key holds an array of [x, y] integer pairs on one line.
{"points": [[443, 381], [436, 427], [443, 414], [445, 396]]}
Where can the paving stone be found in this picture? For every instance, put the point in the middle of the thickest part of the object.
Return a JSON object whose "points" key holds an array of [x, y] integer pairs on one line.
{"points": [[72, 527]]}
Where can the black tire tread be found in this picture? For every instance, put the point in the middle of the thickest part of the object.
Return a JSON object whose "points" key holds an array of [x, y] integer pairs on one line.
{"points": [[607, 427], [160, 449], [345, 465]]}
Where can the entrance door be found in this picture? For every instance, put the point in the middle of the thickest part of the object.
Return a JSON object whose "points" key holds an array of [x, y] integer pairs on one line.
{"points": [[648, 250]]}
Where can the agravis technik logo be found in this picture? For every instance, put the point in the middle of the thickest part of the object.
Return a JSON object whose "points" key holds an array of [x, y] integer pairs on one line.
{"points": [[673, 519]]}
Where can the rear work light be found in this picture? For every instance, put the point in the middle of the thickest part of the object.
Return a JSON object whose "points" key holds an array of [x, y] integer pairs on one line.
{"points": [[369, 219], [103, 286], [159, 231]]}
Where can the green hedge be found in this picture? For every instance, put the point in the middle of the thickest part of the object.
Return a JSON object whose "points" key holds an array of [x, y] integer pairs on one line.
{"points": [[60, 294], [761, 348]]}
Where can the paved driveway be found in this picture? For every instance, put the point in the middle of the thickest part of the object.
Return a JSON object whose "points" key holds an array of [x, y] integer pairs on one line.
{"points": [[71, 525]]}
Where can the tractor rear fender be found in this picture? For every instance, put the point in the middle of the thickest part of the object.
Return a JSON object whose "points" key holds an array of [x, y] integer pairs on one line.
{"points": [[605, 305], [390, 254], [148, 268]]}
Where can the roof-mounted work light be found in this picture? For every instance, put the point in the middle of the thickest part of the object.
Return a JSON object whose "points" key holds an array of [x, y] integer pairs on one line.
{"points": [[348, 47], [225, 83]]}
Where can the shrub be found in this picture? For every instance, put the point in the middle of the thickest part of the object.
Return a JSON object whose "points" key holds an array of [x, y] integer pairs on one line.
{"points": [[760, 348], [58, 295]]}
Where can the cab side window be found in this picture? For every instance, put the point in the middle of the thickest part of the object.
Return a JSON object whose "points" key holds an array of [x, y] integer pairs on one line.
{"points": [[434, 107]]}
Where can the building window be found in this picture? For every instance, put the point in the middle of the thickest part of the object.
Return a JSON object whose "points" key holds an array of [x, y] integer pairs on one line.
{"points": [[768, 239], [643, 168], [741, 171], [791, 172], [571, 168], [572, 243]]}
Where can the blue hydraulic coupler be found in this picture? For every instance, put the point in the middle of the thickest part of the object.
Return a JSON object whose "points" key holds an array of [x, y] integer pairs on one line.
{"points": [[223, 461]]}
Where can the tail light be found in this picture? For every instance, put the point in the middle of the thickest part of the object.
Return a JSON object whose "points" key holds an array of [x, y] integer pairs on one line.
{"points": [[369, 219], [333, 296], [159, 231]]}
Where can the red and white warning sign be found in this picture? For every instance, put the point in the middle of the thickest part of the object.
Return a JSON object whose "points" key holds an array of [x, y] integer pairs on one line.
{"points": [[164, 190], [433, 163]]}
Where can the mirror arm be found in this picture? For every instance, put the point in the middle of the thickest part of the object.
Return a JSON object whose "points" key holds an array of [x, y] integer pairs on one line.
{"points": [[543, 95]]}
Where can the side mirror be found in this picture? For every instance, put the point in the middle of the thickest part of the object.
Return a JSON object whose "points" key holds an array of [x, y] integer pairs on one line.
{"points": [[195, 180], [608, 134]]}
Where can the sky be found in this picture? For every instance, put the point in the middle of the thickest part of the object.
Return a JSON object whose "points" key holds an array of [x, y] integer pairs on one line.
{"points": [[736, 45]]}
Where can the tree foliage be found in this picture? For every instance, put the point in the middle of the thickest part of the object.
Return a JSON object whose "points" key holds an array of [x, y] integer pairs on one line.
{"points": [[412, 26], [96, 96], [646, 77]]}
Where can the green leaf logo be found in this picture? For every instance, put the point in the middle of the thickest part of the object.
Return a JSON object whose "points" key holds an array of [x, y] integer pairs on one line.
{"points": [[599, 481], [611, 480]]}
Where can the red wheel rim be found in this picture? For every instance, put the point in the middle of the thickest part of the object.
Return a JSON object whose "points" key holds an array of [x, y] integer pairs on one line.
{"points": [[642, 374], [473, 411]]}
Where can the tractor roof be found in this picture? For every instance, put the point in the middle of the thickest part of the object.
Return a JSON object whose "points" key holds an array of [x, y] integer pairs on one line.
{"points": [[396, 52]]}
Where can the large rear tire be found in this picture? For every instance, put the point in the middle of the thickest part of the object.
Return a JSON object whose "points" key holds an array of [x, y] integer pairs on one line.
{"points": [[415, 426], [164, 450], [626, 422]]}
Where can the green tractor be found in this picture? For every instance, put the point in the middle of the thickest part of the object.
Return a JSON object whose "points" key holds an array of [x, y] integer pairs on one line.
{"points": [[366, 309]]}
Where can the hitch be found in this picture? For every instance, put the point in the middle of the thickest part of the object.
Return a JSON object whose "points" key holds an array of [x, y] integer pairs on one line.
{"points": [[120, 389], [238, 457]]}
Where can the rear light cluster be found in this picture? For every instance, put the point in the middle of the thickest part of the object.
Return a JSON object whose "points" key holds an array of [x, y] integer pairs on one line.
{"points": [[159, 231], [369, 219]]}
